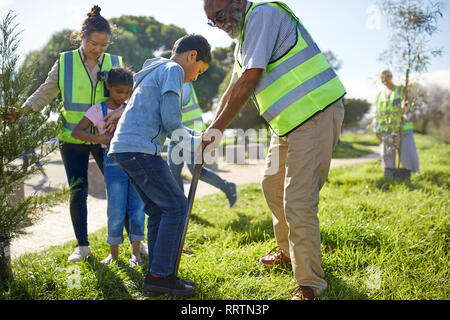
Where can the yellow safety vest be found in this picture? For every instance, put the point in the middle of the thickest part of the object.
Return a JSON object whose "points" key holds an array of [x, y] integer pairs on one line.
{"points": [[297, 86], [192, 113], [389, 115], [77, 90]]}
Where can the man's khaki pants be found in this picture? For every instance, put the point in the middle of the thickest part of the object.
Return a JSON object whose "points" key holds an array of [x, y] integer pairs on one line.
{"points": [[297, 167]]}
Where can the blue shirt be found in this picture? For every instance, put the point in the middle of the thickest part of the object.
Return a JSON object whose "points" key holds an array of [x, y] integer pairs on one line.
{"points": [[153, 111]]}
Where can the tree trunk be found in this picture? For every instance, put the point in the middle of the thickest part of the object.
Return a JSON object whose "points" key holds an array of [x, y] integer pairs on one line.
{"points": [[403, 108], [6, 273]]}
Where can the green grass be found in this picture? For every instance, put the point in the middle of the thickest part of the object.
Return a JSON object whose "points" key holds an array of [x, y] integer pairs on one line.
{"points": [[400, 230], [354, 145]]}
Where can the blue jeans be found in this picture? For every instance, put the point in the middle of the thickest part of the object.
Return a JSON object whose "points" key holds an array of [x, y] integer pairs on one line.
{"points": [[206, 175], [165, 204], [123, 199], [26, 158]]}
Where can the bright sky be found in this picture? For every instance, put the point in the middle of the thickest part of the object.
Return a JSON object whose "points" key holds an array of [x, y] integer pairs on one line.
{"points": [[352, 29]]}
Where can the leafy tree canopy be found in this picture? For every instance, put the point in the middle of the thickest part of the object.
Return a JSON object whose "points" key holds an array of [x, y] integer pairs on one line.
{"points": [[355, 110], [136, 39]]}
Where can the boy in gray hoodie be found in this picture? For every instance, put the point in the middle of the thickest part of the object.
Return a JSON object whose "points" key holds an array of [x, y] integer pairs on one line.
{"points": [[152, 114]]}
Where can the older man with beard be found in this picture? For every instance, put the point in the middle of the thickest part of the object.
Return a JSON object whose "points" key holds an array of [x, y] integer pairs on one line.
{"points": [[300, 96]]}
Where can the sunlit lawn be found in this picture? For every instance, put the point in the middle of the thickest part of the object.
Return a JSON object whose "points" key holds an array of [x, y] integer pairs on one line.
{"points": [[381, 240]]}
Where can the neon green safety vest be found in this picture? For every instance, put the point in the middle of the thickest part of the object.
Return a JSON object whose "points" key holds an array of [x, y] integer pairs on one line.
{"points": [[295, 87], [77, 91], [389, 115], [192, 113]]}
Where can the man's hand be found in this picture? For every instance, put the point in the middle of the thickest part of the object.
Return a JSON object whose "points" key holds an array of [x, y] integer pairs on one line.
{"points": [[205, 142], [211, 136], [210, 141]]}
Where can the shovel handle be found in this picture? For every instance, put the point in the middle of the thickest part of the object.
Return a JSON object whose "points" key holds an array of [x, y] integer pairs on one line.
{"points": [[191, 196]]}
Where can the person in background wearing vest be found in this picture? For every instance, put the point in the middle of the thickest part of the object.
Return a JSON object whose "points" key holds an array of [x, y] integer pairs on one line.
{"points": [[75, 76], [389, 117], [192, 117], [300, 96], [122, 197], [26, 158]]}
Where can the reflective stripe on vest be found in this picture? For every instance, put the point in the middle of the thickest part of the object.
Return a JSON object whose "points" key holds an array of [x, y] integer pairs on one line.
{"points": [[298, 85], [389, 115], [77, 90], [192, 113]]}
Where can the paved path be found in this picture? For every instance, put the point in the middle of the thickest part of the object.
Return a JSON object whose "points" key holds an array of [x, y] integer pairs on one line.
{"points": [[55, 226]]}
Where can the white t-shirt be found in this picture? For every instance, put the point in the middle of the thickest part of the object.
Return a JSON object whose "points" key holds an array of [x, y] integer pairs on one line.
{"points": [[95, 115]]}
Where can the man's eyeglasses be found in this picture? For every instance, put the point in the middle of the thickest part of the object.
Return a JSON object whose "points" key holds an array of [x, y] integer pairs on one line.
{"points": [[220, 16]]}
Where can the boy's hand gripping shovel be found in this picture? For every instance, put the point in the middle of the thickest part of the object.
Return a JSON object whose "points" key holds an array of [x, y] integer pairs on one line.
{"points": [[191, 196]]}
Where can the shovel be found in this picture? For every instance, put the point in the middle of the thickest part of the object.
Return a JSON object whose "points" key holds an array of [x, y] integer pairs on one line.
{"points": [[191, 196]]}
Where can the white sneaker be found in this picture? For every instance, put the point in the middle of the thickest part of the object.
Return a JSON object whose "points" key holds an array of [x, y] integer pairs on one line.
{"points": [[79, 254], [143, 249]]}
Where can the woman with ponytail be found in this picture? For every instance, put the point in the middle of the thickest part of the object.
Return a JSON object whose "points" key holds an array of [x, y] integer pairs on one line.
{"points": [[76, 76]]}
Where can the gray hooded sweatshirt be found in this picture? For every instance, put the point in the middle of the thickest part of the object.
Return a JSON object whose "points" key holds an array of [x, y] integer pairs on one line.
{"points": [[153, 112]]}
